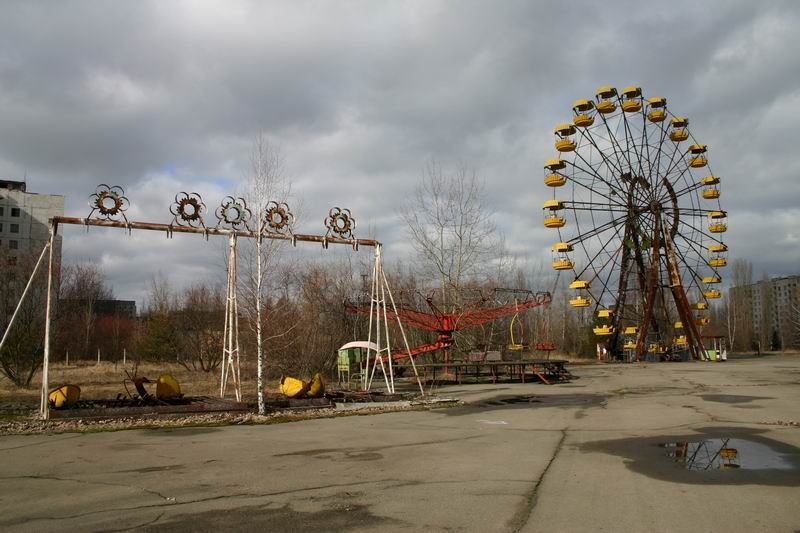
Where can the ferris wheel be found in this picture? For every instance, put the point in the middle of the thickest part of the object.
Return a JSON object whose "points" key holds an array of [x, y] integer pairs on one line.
{"points": [[639, 223]]}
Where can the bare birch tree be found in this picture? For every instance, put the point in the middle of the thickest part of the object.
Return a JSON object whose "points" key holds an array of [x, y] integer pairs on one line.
{"points": [[741, 304], [266, 182], [767, 326], [451, 226]]}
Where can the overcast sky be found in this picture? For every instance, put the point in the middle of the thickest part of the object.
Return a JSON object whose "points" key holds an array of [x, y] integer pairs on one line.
{"points": [[160, 97]]}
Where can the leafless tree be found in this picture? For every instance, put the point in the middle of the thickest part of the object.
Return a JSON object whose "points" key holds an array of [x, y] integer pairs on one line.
{"points": [[201, 314], [160, 298], [21, 354], [82, 286], [451, 227], [767, 326], [266, 182], [740, 305]]}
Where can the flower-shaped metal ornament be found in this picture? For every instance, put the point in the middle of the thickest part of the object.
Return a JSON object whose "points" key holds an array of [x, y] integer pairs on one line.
{"points": [[278, 218], [108, 203], [340, 223], [188, 210], [233, 213]]}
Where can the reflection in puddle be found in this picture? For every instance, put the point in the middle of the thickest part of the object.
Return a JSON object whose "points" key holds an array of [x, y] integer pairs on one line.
{"points": [[726, 454]]}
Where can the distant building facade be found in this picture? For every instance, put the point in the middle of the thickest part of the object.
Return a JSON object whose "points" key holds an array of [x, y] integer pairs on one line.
{"points": [[120, 308], [774, 308], [23, 219]]}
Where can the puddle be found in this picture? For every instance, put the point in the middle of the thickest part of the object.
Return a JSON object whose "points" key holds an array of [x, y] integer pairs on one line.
{"points": [[165, 468], [717, 456], [529, 401], [566, 399], [726, 454], [511, 400], [732, 398]]}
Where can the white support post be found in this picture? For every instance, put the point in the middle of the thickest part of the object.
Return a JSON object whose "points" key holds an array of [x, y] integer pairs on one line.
{"points": [[230, 347], [366, 377], [390, 380], [405, 338], [379, 316], [24, 294], [44, 407]]}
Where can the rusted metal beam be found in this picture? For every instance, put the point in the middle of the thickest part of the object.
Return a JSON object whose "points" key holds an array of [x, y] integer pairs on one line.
{"points": [[695, 342], [652, 286], [169, 229]]}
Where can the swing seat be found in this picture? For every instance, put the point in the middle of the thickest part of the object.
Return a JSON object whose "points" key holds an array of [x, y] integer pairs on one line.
{"points": [[293, 387]]}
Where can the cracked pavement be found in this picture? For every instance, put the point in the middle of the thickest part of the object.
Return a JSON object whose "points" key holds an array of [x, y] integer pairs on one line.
{"points": [[583, 456]]}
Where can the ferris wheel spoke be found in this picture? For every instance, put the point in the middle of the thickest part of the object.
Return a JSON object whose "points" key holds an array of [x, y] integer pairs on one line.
{"points": [[630, 141], [597, 230], [619, 153], [594, 206], [604, 275], [656, 166], [623, 158], [613, 165], [609, 249], [614, 190]]}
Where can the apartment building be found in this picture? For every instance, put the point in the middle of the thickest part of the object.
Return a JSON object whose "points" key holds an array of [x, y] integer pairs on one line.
{"points": [[774, 305], [23, 219]]}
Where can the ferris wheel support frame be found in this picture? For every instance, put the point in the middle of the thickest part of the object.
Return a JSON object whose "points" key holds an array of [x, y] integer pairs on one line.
{"points": [[694, 340], [652, 283]]}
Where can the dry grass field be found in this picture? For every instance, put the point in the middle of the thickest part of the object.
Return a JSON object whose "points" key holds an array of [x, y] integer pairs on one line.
{"points": [[107, 380]]}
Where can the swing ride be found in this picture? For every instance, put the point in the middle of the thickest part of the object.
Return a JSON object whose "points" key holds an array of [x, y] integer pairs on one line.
{"points": [[446, 324], [636, 211], [234, 220]]}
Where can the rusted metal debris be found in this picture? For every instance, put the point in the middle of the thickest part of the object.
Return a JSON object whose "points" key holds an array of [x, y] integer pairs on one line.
{"points": [[126, 407], [146, 404], [188, 209], [340, 222], [110, 203]]}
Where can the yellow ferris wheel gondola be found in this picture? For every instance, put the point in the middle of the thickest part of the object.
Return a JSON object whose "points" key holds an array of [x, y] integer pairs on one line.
{"points": [[697, 159], [631, 99], [552, 175], [711, 189], [717, 222], [718, 258], [657, 109], [606, 100], [561, 258], [551, 217], [564, 138], [584, 113], [678, 131]]}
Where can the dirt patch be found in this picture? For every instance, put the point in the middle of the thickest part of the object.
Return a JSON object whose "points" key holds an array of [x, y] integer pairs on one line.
{"points": [[342, 516], [733, 398]]}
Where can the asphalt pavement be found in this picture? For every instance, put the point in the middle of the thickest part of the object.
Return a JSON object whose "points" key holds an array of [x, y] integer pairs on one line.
{"points": [[643, 447]]}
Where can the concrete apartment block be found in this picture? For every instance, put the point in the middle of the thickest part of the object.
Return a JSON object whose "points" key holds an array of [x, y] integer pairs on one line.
{"points": [[23, 218]]}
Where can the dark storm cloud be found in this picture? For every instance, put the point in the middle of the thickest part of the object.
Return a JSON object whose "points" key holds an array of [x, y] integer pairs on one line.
{"points": [[166, 96]]}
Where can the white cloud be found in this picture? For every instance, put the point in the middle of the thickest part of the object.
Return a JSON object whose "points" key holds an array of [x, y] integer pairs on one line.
{"points": [[162, 97]]}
